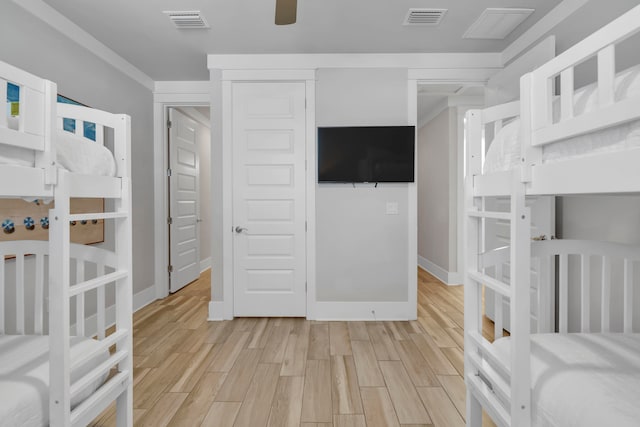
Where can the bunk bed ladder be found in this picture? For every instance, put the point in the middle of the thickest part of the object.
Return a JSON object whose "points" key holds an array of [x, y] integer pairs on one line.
{"points": [[119, 386], [503, 391]]}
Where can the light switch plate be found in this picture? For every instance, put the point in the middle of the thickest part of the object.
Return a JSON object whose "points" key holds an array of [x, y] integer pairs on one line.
{"points": [[392, 208]]}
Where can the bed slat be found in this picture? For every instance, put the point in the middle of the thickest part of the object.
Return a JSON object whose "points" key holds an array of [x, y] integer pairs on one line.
{"points": [[80, 318], [3, 96], [566, 94], [606, 295], [20, 309], [100, 304], [564, 294], [606, 75], [628, 296], [585, 293], [2, 293], [38, 296]]}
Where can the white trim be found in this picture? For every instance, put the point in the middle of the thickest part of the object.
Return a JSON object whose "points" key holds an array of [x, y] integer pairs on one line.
{"points": [[310, 94], [277, 75], [460, 75], [354, 60], [227, 200], [552, 19], [205, 264], [448, 278], [174, 94], [64, 25], [412, 207], [216, 311], [356, 310]]}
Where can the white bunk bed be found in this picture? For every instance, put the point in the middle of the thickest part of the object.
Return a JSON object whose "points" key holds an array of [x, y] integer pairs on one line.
{"points": [[90, 358], [586, 374]]}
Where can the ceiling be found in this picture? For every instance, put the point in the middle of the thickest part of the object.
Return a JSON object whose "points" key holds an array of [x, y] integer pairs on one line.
{"points": [[138, 31]]}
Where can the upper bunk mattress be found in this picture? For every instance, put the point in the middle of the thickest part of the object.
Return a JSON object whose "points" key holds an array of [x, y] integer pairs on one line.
{"points": [[74, 153], [24, 377], [583, 380], [504, 152]]}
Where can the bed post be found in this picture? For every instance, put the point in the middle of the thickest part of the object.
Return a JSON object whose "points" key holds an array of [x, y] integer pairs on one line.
{"points": [[59, 333], [472, 290], [123, 250], [520, 247]]}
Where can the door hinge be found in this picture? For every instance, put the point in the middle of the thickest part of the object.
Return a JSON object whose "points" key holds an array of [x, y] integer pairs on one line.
{"points": [[169, 124], [169, 220], [169, 172], [170, 269]]}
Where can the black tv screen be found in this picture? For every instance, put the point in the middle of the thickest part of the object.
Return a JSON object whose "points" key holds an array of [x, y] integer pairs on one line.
{"points": [[366, 154]]}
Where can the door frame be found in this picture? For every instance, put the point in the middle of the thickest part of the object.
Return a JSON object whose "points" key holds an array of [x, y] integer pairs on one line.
{"points": [[166, 95], [223, 310]]}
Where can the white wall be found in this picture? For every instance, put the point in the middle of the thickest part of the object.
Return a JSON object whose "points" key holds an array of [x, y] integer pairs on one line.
{"points": [[361, 252], [434, 141], [31, 44]]}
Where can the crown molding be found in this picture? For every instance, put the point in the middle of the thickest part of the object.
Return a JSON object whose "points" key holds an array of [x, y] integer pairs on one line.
{"points": [[65, 26]]}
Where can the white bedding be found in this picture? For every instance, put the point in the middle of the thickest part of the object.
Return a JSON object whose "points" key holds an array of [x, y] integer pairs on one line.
{"points": [[24, 377], [504, 151], [74, 153], [583, 380]]}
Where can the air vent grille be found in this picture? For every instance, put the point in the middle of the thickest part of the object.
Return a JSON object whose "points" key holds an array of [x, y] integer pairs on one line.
{"points": [[187, 19], [424, 16]]}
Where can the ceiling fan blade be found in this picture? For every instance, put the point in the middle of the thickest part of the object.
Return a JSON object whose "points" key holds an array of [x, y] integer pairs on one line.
{"points": [[286, 12]]}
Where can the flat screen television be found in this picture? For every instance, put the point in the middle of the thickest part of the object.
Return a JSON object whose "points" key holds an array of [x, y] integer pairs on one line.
{"points": [[366, 154]]}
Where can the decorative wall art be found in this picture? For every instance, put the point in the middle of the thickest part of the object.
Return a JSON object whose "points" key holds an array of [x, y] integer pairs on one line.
{"points": [[22, 220]]}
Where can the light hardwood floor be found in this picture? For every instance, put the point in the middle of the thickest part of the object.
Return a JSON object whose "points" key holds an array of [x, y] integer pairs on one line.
{"points": [[291, 372]]}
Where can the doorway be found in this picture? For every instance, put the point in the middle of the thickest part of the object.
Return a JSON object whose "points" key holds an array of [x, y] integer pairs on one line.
{"points": [[188, 195]]}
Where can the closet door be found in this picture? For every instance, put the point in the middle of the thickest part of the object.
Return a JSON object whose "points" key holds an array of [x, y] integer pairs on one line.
{"points": [[269, 213]]}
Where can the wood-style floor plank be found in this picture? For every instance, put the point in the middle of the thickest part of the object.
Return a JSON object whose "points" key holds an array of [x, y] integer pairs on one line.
{"points": [[256, 405], [316, 401], [191, 372], [345, 391], [442, 410], [367, 368], [378, 409], [287, 403], [406, 401]]}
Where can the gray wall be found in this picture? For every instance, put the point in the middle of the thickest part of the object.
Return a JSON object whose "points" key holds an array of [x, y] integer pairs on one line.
{"points": [[434, 141], [361, 252], [29, 43]]}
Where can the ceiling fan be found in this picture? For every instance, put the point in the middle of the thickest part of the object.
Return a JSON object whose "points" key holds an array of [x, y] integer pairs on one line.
{"points": [[286, 12]]}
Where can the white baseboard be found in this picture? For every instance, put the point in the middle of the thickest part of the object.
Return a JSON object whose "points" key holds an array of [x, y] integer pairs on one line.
{"points": [[216, 311], [329, 310], [144, 298], [205, 264], [446, 277]]}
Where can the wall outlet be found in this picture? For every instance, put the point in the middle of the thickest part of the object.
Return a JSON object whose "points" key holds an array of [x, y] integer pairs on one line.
{"points": [[392, 208]]}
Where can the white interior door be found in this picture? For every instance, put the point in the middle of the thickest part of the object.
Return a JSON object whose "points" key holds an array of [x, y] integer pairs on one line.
{"points": [[269, 199], [184, 257]]}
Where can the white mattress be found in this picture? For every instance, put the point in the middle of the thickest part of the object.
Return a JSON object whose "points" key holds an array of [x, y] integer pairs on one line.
{"points": [[24, 377], [583, 380], [74, 153], [504, 151]]}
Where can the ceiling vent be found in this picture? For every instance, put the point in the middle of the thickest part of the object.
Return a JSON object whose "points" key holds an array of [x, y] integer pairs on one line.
{"points": [[186, 19], [424, 16], [497, 23]]}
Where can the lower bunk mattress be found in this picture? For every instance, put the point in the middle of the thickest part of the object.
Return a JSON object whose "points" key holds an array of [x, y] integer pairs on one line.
{"points": [[583, 380], [24, 377]]}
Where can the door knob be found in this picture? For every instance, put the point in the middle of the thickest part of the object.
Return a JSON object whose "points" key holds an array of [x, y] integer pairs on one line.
{"points": [[240, 229]]}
